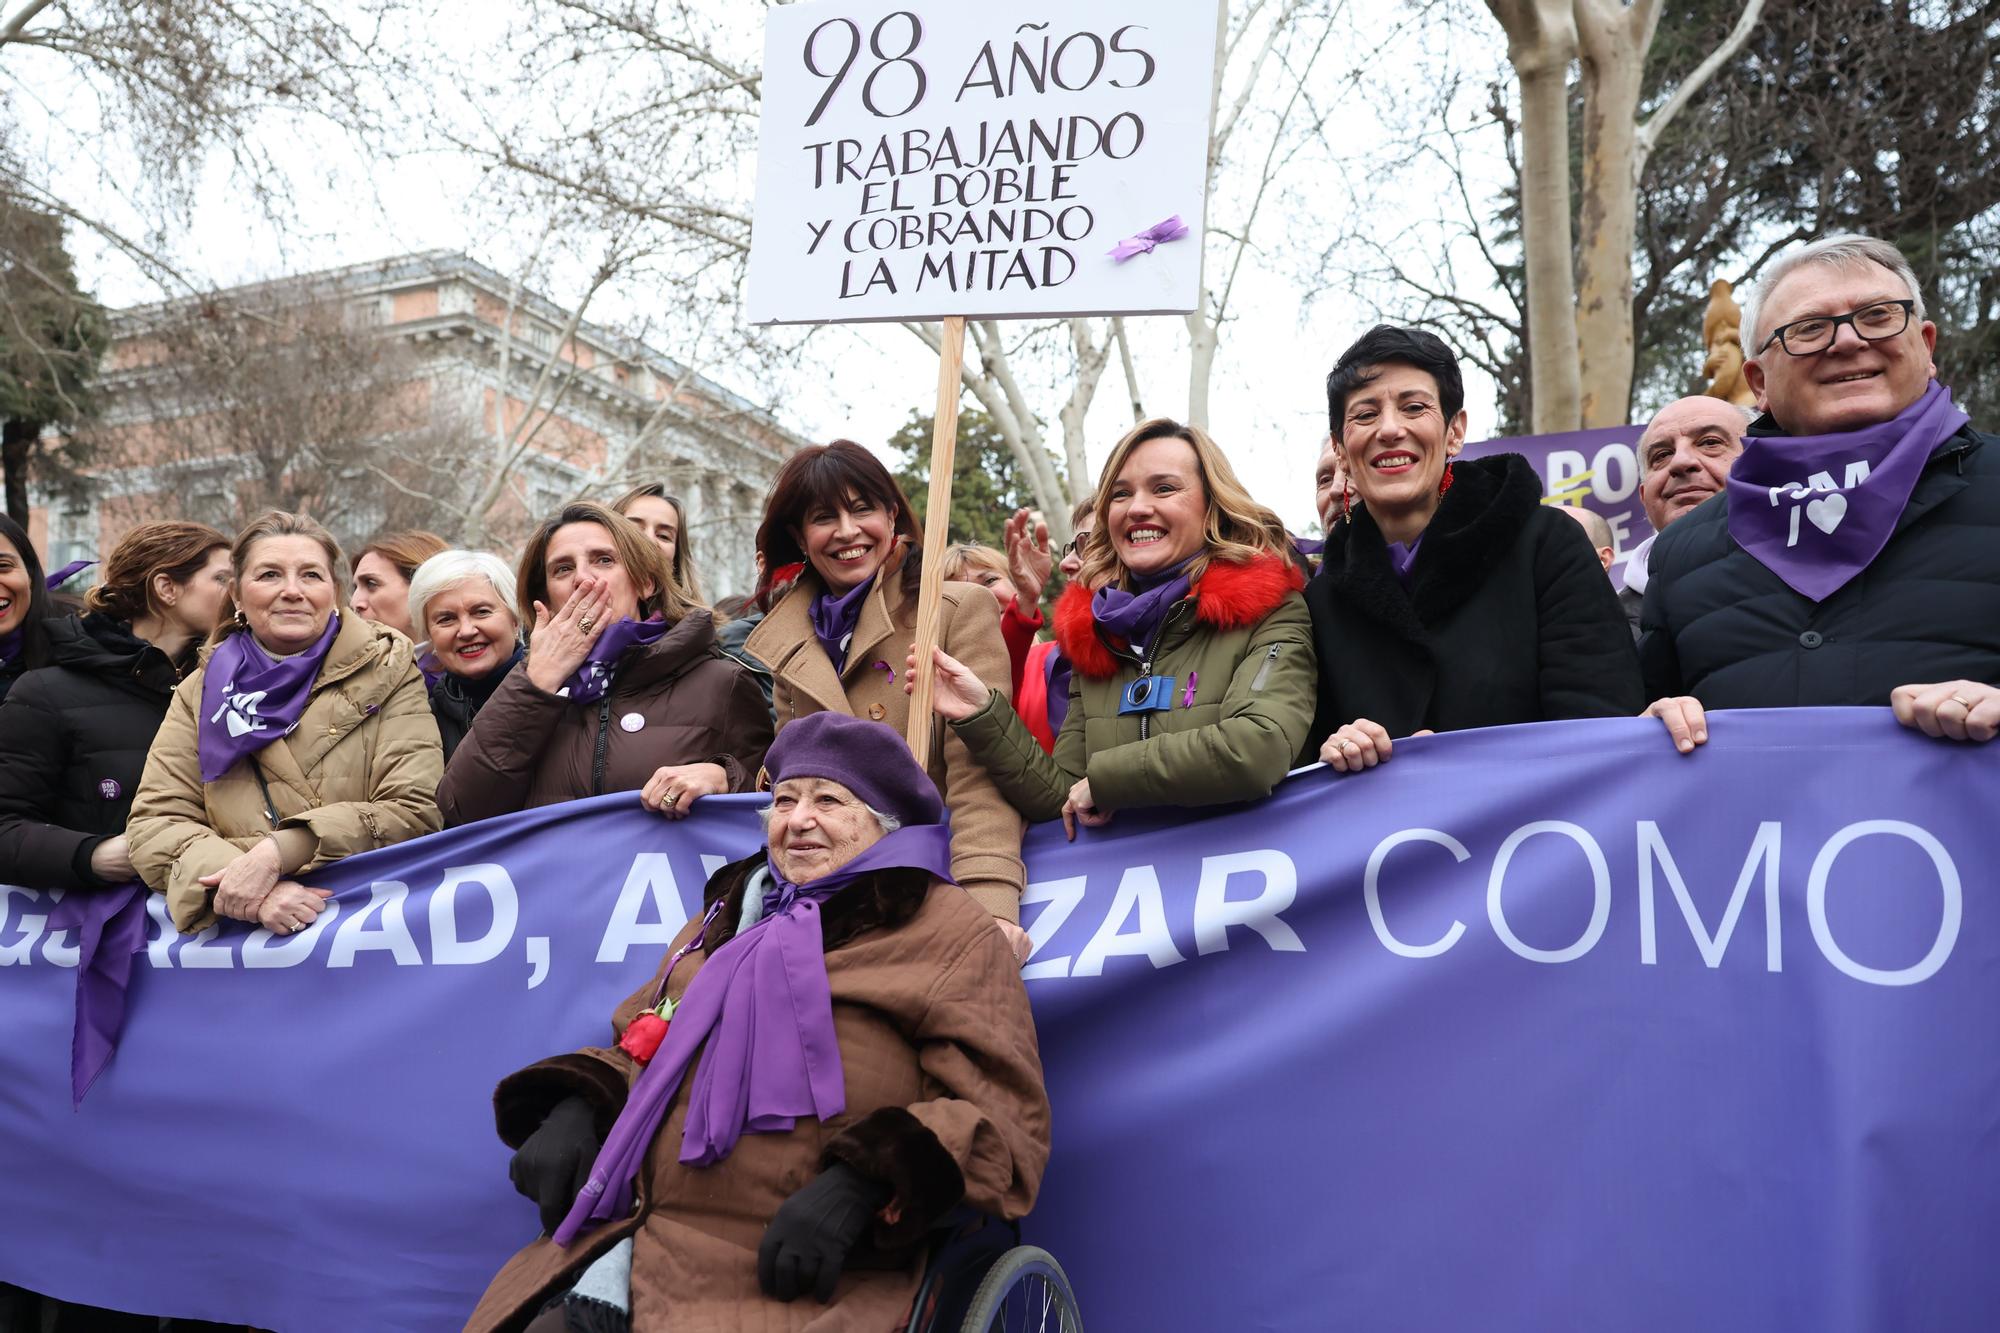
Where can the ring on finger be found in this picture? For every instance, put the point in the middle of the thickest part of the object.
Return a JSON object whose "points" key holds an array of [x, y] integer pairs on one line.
{"points": [[586, 624], [1962, 702], [673, 799], [1348, 746]]}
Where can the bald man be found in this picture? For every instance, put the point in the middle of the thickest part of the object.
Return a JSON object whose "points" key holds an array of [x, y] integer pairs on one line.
{"points": [[1684, 457]]}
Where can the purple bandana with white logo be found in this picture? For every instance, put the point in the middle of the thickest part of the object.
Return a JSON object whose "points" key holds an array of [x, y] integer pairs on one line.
{"points": [[1816, 509], [834, 616], [589, 682], [1136, 616], [249, 698]]}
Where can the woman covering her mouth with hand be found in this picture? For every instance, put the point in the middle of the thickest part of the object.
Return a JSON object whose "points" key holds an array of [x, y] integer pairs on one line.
{"points": [[1190, 648], [1452, 597]]}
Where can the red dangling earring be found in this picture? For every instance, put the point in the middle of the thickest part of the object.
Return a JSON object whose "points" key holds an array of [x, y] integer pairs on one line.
{"points": [[1346, 500], [1444, 482]]}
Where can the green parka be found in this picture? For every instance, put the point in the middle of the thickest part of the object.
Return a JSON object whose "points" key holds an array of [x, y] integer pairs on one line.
{"points": [[1239, 647]]}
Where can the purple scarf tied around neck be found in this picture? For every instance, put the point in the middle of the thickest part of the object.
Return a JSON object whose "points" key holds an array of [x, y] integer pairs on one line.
{"points": [[588, 682], [1816, 509], [249, 698], [1403, 559], [762, 1004], [834, 616], [1136, 616]]}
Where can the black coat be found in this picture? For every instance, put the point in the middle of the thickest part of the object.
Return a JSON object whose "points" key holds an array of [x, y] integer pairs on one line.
{"points": [[1508, 618], [455, 701], [1720, 626], [73, 741]]}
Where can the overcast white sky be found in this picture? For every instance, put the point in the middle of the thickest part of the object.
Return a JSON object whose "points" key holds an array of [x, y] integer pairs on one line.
{"points": [[1268, 397]]}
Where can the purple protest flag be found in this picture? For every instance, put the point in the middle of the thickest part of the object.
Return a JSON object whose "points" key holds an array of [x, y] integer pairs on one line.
{"points": [[111, 928], [66, 573], [1149, 240], [249, 698], [1816, 509]]}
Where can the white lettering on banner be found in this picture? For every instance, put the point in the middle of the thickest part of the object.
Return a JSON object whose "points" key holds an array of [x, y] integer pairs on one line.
{"points": [[1948, 922], [201, 950], [385, 899], [1138, 890], [20, 952], [1062, 897], [446, 947], [538, 960], [259, 950], [159, 943], [651, 879], [1600, 908], [1215, 912], [1371, 891], [1763, 851]]}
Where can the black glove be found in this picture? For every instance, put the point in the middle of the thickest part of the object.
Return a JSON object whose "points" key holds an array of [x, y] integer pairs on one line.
{"points": [[554, 1164], [809, 1240]]}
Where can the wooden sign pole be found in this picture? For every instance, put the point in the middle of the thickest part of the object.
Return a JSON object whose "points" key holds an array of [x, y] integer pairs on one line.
{"points": [[937, 532]]}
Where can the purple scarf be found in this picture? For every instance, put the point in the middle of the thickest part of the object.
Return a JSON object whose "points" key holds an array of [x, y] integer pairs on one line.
{"points": [[588, 682], [10, 647], [249, 698], [1816, 509], [1136, 617], [1056, 671], [1403, 559], [762, 1004], [834, 616]]}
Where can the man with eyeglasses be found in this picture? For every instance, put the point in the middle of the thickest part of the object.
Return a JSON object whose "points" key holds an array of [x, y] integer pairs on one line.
{"points": [[1854, 555]]}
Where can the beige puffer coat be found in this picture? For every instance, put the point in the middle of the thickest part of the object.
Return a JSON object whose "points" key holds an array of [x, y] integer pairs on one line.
{"points": [[360, 771]]}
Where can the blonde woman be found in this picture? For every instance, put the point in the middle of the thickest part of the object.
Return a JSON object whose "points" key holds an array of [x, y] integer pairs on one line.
{"points": [[1191, 651]]}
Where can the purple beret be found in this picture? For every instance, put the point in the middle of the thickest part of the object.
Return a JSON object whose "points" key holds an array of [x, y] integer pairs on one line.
{"points": [[867, 758]]}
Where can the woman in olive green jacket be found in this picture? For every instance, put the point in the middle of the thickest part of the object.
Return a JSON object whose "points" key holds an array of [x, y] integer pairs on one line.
{"points": [[1191, 649]]}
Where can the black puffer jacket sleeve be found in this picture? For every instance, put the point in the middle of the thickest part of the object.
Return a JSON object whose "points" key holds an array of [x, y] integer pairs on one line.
{"points": [[35, 853]]}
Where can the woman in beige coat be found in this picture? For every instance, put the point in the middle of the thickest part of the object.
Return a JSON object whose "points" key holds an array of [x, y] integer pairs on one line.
{"points": [[838, 641], [304, 737]]}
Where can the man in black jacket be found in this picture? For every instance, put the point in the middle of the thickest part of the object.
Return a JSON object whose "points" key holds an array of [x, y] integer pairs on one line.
{"points": [[1854, 556], [1684, 457]]}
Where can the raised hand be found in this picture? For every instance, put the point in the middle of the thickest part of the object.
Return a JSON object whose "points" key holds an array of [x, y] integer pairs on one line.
{"points": [[957, 693], [1030, 562], [560, 641]]}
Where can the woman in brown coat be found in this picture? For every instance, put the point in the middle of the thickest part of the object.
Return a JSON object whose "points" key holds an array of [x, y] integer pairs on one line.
{"points": [[683, 1180], [839, 638], [623, 688], [304, 737]]}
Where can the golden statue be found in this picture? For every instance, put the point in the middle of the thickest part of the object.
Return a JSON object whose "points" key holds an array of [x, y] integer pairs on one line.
{"points": [[1722, 334]]}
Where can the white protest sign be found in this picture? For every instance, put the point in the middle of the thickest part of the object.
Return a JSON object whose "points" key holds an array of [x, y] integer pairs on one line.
{"points": [[921, 159]]}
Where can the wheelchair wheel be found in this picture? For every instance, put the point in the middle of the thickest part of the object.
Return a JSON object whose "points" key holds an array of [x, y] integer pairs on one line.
{"points": [[1026, 1291]]}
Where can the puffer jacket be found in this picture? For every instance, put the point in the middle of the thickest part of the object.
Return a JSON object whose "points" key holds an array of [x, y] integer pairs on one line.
{"points": [[1239, 649], [985, 830], [360, 771], [455, 701], [73, 741], [675, 701], [1720, 626]]}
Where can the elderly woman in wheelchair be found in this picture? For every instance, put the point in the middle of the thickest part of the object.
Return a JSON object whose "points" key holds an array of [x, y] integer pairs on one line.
{"points": [[832, 1061]]}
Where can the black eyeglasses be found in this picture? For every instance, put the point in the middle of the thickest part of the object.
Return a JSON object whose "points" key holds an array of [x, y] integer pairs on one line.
{"points": [[1074, 546], [1815, 333]]}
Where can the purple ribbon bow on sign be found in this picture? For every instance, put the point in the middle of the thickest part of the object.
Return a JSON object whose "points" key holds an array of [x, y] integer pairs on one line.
{"points": [[1150, 239]]}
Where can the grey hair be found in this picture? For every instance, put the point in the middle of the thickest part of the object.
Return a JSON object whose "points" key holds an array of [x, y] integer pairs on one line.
{"points": [[888, 822], [1842, 251], [449, 569]]}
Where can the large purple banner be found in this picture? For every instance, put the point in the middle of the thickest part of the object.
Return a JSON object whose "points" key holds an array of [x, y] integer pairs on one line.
{"points": [[1540, 1027], [1587, 469]]}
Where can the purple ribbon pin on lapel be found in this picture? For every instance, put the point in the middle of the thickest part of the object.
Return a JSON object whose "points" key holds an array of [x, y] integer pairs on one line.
{"points": [[1150, 239]]}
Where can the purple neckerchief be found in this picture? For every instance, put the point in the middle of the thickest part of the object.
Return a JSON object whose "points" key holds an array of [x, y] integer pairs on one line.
{"points": [[249, 698], [1816, 509], [1403, 559], [588, 682], [111, 930], [427, 664], [1056, 671], [834, 616], [763, 1006], [1135, 617], [66, 573], [1308, 545]]}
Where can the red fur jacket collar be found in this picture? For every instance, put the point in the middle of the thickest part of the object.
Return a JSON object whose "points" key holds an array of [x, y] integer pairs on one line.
{"points": [[1229, 596]]}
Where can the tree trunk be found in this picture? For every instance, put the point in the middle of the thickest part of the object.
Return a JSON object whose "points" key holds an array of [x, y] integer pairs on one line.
{"points": [[1541, 40], [18, 441], [1613, 43]]}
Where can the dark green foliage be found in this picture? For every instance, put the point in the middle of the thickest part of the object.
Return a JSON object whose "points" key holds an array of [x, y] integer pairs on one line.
{"points": [[51, 338], [987, 483]]}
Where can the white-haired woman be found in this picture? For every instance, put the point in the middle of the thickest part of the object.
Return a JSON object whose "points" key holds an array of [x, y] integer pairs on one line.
{"points": [[462, 605]]}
